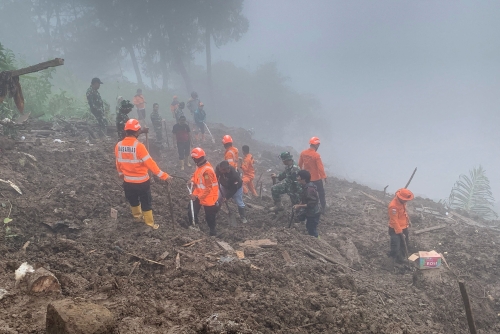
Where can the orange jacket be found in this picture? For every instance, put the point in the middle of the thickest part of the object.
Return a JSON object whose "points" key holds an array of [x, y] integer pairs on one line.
{"points": [[133, 161], [398, 218], [247, 166], [231, 156], [139, 101], [206, 187], [310, 160]]}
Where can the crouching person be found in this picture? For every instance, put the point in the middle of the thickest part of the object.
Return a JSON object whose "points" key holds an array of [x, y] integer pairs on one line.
{"points": [[309, 202]]}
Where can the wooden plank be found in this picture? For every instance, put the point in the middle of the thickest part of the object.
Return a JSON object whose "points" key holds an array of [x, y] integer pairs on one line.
{"points": [[240, 254], [225, 246], [438, 227], [144, 259], [164, 255], [286, 256], [263, 243], [329, 259], [193, 242]]}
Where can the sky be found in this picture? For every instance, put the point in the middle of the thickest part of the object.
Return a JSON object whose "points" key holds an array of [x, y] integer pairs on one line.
{"points": [[406, 83]]}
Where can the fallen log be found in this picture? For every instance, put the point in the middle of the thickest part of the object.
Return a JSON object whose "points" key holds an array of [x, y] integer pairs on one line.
{"points": [[438, 227], [38, 67], [329, 259], [42, 280]]}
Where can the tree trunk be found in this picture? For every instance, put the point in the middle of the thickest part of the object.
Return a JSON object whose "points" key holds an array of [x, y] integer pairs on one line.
{"points": [[208, 52], [182, 71], [164, 71], [131, 51]]}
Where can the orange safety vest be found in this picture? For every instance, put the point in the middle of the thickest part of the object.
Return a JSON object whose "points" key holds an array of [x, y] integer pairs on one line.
{"points": [[310, 160], [247, 166], [231, 156], [398, 218], [206, 187], [133, 161]]}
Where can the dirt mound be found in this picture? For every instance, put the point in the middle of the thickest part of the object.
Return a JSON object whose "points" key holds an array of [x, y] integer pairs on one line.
{"points": [[342, 282]]}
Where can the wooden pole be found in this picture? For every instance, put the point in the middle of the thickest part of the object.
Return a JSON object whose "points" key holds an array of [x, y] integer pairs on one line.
{"points": [[468, 310], [38, 67], [411, 178]]}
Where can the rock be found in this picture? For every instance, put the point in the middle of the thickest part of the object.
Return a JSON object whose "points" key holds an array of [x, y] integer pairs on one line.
{"points": [[42, 280], [69, 317]]}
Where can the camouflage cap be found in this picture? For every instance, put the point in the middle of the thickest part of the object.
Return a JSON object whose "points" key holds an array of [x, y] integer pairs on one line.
{"points": [[125, 104], [286, 156]]}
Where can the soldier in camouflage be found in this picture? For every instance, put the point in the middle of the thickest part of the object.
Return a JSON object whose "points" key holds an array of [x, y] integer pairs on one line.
{"points": [[157, 122], [288, 183], [122, 117], [96, 105]]}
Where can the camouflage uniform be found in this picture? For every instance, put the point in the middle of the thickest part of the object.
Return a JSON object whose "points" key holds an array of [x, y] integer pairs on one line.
{"points": [[157, 124], [122, 118], [288, 185], [97, 108]]}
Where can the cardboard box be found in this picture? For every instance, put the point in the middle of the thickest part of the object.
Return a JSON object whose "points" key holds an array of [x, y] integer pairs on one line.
{"points": [[427, 260]]}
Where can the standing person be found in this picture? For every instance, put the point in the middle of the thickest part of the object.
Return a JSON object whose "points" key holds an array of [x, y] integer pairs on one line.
{"points": [[309, 202], [246, 166], [288, 183], [205, 190], [132, 163], [398, 223], [199, 119], [157, 122], [122, 117], [174, 105], [140, 104], [310, 160], [182, 139], [231, 154], [119, 100], [97, 106], [179, 112], [230, 187], [193, 103]]}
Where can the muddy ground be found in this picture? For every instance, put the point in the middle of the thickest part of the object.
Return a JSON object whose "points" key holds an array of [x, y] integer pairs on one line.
{"points": [[64, 211]]}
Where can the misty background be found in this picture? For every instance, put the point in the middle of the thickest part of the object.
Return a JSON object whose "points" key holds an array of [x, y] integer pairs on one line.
{"points": [[387, 85]]}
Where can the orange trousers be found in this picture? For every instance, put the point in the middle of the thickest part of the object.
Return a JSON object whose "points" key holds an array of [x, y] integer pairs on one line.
{"points": [[248, 185]]}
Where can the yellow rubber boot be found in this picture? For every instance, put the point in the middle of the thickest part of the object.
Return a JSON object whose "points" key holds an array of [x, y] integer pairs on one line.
{"points": [[148, 219], [137, 213], [186, 161]]}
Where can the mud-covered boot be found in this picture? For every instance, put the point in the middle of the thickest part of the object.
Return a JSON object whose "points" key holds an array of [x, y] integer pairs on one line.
{"points": [[182, 164], [148, 219], [241, 211], [186, 161], [277, 207], [137, 213]]}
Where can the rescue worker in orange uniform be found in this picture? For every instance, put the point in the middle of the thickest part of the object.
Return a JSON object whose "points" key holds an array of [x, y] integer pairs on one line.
{"points": [[310, 160], [140, 104], [205, 190], [398, 222], [246, 165], [132, 163], [231, 154]]}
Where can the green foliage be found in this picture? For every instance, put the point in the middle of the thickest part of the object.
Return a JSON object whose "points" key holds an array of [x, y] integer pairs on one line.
{"points": [[6, 59], [473, 194]]}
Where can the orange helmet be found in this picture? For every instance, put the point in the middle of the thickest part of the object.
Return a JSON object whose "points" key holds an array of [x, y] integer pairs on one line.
{"points": [[404, 194], [314, 141], [132, 124], [227, 139], [197, 153]]}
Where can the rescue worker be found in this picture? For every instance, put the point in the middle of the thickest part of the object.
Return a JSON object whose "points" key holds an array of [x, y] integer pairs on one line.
{"points": [[398, 223], [231, 154], [288, 183], [97, 105], [179, 112], [122, 117], [132, 163], [205, 190], [310, 160], [182, 139], [157, 122], [199, 119], [246, 165], [230, 187], [309, 202], [193, 103], [140, 104], [174, 105]]}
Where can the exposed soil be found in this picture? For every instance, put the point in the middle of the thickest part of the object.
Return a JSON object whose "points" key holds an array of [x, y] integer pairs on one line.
{"points": [[64, 212]]}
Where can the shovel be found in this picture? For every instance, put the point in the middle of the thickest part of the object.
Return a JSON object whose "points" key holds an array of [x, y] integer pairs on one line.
{"points": [[232, 220], [192, 208], [213, 140]]}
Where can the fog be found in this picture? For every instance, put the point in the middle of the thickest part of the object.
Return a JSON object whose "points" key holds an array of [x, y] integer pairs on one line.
{"points": [[403, 84]]}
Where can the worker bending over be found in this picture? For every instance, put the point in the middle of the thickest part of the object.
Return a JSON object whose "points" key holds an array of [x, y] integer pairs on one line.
{"points": [[230, 186], [398, 223]]}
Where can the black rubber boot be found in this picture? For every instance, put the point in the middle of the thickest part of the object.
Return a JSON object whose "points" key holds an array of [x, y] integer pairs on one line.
{"points": [[241, 211]]}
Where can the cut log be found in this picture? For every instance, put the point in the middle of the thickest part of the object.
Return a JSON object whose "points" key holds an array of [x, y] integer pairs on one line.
{"points": [[42, 280], [38, 67], [438, 227], [225, 246]]}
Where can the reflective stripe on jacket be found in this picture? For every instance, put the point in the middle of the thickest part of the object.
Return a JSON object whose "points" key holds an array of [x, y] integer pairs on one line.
{"points": [[310, 160], [133, 161], [231, 156], [398, 218], [206, 187]]}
